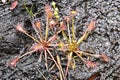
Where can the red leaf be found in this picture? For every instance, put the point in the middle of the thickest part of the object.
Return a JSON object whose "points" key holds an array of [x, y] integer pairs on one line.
{"points": [[91, 26], [48, 11], [14, 4], [52, 23], [13, 62], [67, 18], [91, 64], [104, 57], [47, 8], [20, 28], [38, 24], [62, 26]]}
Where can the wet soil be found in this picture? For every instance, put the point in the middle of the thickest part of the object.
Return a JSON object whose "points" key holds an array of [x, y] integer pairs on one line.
{"points": [[104, 39]]}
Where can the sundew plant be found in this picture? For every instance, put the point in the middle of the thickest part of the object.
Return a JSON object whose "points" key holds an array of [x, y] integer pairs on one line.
{"points": [[48, 40]]}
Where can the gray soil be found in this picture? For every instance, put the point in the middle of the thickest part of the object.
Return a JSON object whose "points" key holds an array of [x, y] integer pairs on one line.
{"points": [[104, 39]]}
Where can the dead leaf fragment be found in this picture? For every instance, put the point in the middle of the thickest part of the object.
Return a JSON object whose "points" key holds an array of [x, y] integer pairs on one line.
{"points": [[13, 5]]}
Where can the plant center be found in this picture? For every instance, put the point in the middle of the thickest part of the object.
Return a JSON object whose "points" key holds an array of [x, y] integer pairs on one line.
{"points": [[72, 46]]}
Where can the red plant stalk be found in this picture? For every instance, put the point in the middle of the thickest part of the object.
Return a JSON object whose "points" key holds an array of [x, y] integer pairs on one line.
{"points": [[35, 47], [53, 38]]}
